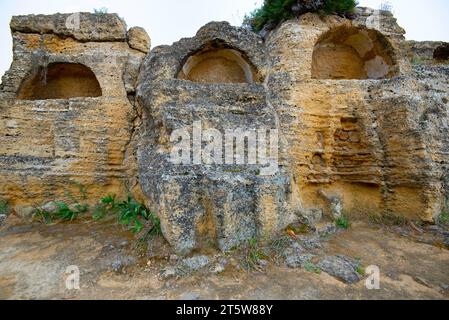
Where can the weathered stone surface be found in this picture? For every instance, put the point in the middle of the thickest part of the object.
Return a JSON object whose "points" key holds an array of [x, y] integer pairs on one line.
{"points": [[296, 257], [225, 205], [195, 263], [371, 138], [53, 146], [376, 145], [83, 26], [341, 267], [139, 39], [427, 52]]}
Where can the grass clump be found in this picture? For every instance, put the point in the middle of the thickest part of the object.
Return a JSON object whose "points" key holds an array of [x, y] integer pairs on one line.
{"points": [[107, 206], [64, 212], [343, 222], [4, 207], [43, 216], [131, 214], [254, 253], [274, 12], [444, 219], [311, 267]]}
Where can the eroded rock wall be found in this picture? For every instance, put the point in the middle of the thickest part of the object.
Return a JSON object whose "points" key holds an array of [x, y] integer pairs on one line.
{"points": [[363, 143], [51, 147], [216, 204], [361, 116]]}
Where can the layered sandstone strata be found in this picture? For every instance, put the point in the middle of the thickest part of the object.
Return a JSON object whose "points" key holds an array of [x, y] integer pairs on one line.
{"points": [[361, 116], [67, 109]]}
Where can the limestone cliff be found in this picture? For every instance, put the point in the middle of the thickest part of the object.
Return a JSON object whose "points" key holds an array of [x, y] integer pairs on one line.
{"points": [[361, 116], [67, 110]]}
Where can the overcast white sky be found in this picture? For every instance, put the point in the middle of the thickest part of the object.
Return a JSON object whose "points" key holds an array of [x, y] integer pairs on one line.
{"points": [[169, 20]]}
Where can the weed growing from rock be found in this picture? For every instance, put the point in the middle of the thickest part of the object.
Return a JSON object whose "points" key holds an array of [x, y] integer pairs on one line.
{"points": [[4, 207], [343, 222]]}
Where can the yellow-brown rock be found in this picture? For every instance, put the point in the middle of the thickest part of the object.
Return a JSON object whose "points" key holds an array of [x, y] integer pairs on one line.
{"points": [[66, 119]]}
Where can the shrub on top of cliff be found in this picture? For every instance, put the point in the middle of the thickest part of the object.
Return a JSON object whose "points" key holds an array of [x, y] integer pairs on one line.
{"points": [[274, 12]]}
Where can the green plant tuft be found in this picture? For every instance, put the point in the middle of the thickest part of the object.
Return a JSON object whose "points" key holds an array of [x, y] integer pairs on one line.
{"points": [[4, 207], [64, 213], [108, 205], [343, 222], [43, 216], [253, 253], [311, 267], [138, 218], [444, 218], [339, 6]]}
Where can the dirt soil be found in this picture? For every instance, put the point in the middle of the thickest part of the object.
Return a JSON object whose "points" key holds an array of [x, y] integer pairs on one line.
{"points": [[34, 258]]}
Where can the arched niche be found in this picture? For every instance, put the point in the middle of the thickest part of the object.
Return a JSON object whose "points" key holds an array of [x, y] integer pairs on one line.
{"points": [[353, 53], [441, 53], [60, 81], [218, 64]]}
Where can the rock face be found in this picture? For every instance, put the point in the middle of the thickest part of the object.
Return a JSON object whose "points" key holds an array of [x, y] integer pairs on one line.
{"points": [[66, 118], [221, 204], [339, 116], [376, 145]]}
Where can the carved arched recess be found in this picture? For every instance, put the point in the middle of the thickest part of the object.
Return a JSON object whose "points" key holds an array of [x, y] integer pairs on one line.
{"points": [[353, 53]]}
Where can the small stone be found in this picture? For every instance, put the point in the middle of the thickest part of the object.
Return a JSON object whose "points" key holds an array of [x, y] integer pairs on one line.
{"points": [[149, 263], [195, 263], [117, 266], [218, 268], [325, 229], [311, 243], [341, 267], [123, 244], [422, 281], [295, 256], [444, 286], [262, 263], [3, 218], [189, 296], [49, 207], [173, 257], [121, 263], [168, 273], [298, 260]]}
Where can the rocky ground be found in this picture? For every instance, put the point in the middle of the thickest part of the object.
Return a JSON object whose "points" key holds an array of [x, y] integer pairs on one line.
{"points": [[325, 263]]}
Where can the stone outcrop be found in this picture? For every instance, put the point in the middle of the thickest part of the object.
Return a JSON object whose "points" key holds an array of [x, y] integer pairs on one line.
{"points": [[138, 39], [221, 204], [67, 110], [361, 117], [428, 52]]}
